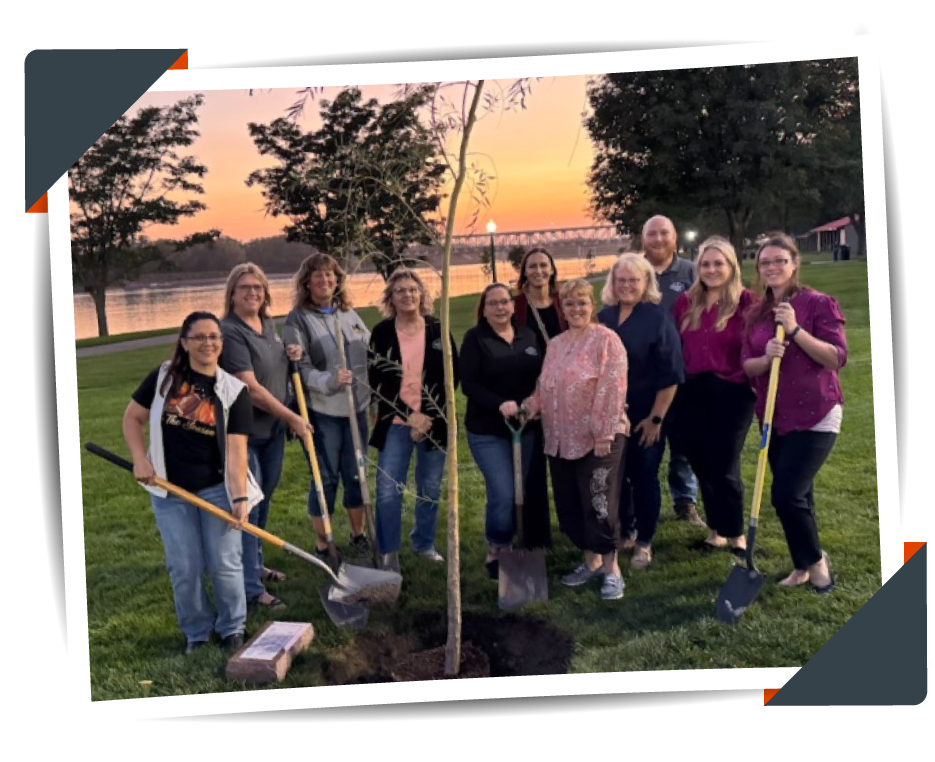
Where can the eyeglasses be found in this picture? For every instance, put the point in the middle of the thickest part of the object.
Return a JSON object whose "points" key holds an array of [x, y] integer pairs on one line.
{"points": [[579, 303], [628, 281], [406, 291], [246, 288], [765, 263], [214, 338], [497, 303]]}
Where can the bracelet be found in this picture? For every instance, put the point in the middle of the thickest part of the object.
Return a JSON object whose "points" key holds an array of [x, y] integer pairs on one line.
{"points": [[240, 500], [794, 333]]}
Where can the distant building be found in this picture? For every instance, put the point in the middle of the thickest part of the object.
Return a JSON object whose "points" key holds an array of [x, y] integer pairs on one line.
{"points": [[829, 236]]}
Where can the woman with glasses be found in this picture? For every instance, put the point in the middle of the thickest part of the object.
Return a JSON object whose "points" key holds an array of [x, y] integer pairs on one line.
{"points": [[808, 412], [654, 355], [714, 407], [199, 419], [499, 366], [581, 397], [321, 310], [254, 353], [407, 378]]}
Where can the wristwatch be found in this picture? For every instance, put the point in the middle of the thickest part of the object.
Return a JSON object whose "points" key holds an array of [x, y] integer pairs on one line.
{"points": [[792, 335], [656, 419]]}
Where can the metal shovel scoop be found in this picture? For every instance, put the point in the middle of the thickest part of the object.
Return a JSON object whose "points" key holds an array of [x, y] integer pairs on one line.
{"points": [[522, 576]]}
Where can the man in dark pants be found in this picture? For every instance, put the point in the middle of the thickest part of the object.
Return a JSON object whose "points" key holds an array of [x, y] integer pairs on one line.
{"points": [[674, 276]]}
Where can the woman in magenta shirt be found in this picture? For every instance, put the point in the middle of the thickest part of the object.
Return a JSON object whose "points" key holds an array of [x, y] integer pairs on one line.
{"points": [[807, 417], [714, 407]]}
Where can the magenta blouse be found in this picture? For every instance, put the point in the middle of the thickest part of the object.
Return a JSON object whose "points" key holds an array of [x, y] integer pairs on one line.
{"points": [[806, 391]]}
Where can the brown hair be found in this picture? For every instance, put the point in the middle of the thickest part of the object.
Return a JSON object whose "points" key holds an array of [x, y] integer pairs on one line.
{"points": [[180, 365], [765, 310], [246, 268], [553, 278], [730, 293], [388, 309], [302, 297], [482, 302]]}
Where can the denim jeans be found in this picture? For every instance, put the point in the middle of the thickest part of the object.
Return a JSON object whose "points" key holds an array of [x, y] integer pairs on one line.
{"points": [[494, 458], [640, 496], [195, 542], [334, 445], [682, 482], [392, 471], [264, 457]]}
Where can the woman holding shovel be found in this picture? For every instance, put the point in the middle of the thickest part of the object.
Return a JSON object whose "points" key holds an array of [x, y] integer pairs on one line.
{"points": [[254, 353], [320, 301], [500, 364], [581, 398], [199, 419], [808, 407]]}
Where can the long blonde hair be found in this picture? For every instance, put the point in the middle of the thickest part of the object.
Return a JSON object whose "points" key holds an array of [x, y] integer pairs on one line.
{"points": [[730, 292], [246, 268], [638, 264]]}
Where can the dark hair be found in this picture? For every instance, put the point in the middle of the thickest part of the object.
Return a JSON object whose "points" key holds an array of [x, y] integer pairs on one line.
{"points": [[765, 309], [302, 297], [179, 365], [481, 303], [553, 278]]}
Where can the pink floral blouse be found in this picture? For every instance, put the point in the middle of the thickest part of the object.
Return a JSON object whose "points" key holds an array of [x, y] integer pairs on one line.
{"points": [[582, 392]]}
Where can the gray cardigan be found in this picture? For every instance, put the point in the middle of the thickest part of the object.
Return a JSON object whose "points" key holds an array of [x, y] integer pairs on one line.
{"points": [[314, 332]]}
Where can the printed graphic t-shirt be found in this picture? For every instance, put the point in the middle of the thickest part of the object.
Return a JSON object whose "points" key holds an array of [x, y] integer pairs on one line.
{"points": [[189, 428]]}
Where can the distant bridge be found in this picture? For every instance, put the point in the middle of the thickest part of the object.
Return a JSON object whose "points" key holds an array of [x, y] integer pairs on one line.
{"points": [[551, 236]]}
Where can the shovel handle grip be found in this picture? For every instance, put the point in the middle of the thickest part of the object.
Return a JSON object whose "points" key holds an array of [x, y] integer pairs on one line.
{"points": [[126, 465]]}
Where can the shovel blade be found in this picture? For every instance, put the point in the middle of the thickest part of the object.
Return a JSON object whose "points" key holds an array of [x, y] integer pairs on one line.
{"points": [[346, 615], [523, 578], [738, 592], [361, 585]]}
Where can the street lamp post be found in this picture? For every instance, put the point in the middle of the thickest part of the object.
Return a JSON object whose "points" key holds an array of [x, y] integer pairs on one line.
{"points": [[690, 236], [492, 228]]}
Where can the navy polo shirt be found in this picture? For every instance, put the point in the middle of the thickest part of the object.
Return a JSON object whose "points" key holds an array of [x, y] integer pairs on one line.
{"points": [[654, 354], [674, 281]]}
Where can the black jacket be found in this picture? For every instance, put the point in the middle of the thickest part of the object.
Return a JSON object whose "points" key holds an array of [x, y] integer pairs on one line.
{"points": [[385, 378]]}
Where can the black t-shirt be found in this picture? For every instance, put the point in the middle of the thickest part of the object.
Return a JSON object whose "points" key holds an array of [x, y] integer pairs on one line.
{"points": [[549, 317], [189, 428]]}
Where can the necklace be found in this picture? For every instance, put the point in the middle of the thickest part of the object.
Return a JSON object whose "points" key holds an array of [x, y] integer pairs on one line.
{"points": [[419, 327]]}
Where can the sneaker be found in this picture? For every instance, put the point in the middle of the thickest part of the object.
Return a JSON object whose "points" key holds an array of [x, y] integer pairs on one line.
{"points": [[642, 557], [231, 643], [389, 562], [580, 576], [322, 554], [360, 546], [612, 589], [431, 554], [190, 648], [689, 512]]}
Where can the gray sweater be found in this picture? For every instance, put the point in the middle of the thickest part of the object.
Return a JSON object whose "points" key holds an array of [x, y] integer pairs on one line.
{"points": [[314, 332]]}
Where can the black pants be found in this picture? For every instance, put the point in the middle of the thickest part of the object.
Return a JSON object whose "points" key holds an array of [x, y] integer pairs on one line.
{"points": [[587, 495], [794, 459], [537, 519], [711, 425]]}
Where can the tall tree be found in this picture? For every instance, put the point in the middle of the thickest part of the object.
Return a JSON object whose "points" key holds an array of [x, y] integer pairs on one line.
{"points": [[733, 139], [132, 177], [365, 185]]}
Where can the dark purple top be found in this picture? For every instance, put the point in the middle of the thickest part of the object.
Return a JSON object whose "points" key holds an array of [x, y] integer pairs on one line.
{"points": [[807, 391], [706, 350]]}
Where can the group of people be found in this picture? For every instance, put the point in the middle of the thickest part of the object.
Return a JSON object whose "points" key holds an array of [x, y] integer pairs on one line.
{"points": [[680, 354]]}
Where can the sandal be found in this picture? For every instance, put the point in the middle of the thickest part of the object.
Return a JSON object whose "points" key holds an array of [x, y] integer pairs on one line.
{"points": [[272, 603], [272, 575], [825, 589]]}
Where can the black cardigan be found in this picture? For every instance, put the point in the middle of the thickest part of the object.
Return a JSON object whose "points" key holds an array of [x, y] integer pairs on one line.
{"points": [[385, 378]]}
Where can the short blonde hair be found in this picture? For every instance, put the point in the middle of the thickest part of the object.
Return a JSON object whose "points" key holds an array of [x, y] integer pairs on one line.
{"points": [[246, 268], [578, 287], [388, 309], [638, 264]]}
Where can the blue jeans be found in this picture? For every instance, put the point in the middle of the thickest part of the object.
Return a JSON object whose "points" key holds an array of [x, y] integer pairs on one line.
{"points": [[640, 496], [494, 458], [334, 446], [392, 472], [682, 482], [264, 457], [195, 542]]}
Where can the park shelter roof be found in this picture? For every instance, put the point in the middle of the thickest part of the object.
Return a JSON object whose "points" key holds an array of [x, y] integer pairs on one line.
{"points": [[831, 226]]}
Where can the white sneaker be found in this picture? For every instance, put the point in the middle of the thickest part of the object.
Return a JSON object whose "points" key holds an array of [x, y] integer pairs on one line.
{"points": [[432, 555]]}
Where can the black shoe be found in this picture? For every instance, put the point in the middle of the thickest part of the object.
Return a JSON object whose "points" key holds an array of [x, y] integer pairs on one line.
{"points": [[190, 648], [493, 568], [360, 546], [324, 555], [232, 643]]}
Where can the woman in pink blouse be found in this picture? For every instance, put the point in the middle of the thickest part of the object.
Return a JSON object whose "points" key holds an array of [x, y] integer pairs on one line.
{"points": [[581, 398], [714, 407], [807, 417]]}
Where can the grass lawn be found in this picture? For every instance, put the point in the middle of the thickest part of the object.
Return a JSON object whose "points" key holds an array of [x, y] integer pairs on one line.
{"points": [[666, 620]]}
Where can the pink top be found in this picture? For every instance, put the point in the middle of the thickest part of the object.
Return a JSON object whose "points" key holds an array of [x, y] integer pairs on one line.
{"points": [[807, 392], [706, 350], [582, 392], [413, 355]]}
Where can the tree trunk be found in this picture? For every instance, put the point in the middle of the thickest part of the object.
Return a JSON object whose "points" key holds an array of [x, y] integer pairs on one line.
{"points": [[453, 644], [737, 225], [99, 295], [860, 227]]}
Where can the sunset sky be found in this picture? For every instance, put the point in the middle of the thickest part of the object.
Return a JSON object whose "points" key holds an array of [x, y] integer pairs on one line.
{"points": [[539, 156]]}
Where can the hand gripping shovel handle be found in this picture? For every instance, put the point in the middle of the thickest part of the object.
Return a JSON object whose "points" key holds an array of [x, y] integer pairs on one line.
{"points": [[204, 505], [764, 449], [313, 460], [355, 436]]}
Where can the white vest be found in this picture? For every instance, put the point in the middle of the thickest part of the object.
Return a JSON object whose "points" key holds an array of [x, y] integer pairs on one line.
{"points": [[226, 387]]}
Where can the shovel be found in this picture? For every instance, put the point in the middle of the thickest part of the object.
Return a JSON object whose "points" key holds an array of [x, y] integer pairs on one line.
{"points": [[345, 610], [522, 576], [367, 585], [743, 583]]}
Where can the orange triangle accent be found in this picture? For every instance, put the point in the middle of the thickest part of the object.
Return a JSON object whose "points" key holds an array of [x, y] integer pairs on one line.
{"points": [[41, 206], [182, 63], [768, 693], [910, 549]]}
